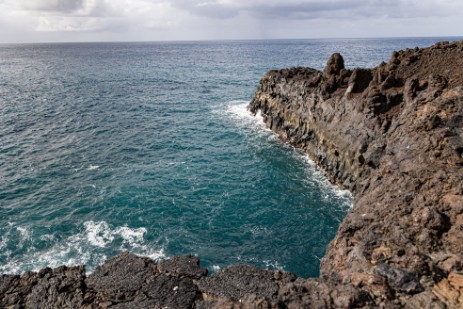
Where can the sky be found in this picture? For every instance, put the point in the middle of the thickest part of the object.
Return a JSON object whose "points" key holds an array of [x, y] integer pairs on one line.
{"points": [[166, 20]]}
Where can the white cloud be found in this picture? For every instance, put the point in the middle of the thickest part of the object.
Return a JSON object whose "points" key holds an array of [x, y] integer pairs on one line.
{"points": [[87, 15], [229, 19]]}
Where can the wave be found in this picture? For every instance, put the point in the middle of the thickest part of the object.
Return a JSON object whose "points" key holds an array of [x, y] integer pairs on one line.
{"points": [[265, 263], [92, 167], [315, 174], [238, 111], [91, 246]]}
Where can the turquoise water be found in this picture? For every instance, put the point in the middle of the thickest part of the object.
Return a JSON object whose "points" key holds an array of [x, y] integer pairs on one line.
{"points": [[148, 147]]}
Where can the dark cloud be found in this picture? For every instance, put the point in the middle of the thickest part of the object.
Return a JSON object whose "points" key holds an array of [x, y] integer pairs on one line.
{"points": [[271, 9], [63, 6], [69, 8], [275, 9], [210, 9], [308, 9]]}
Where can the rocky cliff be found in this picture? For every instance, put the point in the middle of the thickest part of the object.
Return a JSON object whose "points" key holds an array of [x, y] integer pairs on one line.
{"points": [[393, 135]]}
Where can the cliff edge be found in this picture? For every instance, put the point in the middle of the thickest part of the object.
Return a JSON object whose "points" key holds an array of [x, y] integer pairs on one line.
{"points": [[392, 135]]}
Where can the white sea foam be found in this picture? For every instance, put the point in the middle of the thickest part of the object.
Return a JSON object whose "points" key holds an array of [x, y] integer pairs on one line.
{"points": [[273, 264], [257, 231], [3, 242], [101, 235], [131, 236], [90, 246], [314, 173], [47, 237], [156, 254], [238, 111], [98, 233], [92, 167], [270, 264], [216, 267], [25, 234]]}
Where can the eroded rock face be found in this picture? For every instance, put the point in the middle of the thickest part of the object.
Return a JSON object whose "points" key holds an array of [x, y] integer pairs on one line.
{"points": [[126, 281], [130, 281], [392, 135]]}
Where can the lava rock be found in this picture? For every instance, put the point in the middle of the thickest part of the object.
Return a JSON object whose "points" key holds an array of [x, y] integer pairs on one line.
{"points": [[237, 281], [399, 279], [182, 266]]}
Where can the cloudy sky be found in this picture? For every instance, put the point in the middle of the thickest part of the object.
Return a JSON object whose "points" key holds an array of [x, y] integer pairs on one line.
{"points": [[153, 20]]}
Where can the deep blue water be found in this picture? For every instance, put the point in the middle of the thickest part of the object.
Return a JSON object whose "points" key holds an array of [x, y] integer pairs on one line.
{"points": [[148, 147]]}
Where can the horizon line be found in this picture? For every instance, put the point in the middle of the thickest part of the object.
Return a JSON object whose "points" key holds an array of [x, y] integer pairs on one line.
{"points": [[231, 40]]}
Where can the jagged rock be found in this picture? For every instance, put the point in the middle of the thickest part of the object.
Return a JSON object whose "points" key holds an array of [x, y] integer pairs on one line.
{"points": [[236, 281], [171, 292], [130, 281], [62, 287], [182, 266], [359, 80], [399, 279], [334, 65], [394, 137], [121, 277]]}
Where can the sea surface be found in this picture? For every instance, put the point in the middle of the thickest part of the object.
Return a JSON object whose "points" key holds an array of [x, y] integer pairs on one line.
{"points": [[148, 147]]}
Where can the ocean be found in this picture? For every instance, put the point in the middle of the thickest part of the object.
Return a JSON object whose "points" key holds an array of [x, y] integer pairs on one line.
{"points": [[149, 147]]}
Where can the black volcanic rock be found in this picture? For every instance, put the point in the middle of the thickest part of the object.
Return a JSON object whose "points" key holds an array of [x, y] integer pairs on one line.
{"points": [[125, 281], [236, 281], [62, 287], [182, 266]]}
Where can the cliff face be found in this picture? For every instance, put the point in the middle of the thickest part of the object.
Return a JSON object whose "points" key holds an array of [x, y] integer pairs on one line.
{"points": [[393, 135]]}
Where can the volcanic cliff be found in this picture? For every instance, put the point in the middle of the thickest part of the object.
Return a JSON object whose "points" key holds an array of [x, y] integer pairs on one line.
{"points": [[392, 135]]}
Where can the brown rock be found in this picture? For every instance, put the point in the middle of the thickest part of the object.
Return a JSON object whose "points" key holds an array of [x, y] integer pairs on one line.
{"points": [[448, 294], [456, 280], [334, 65], [381, 255], [394, 137]]}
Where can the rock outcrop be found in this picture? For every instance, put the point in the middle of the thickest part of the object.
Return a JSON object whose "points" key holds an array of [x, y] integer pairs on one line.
{"points": [[130, 281], [392, 135]]}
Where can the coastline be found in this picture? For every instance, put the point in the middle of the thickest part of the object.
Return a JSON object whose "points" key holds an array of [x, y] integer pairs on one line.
{"points": [[392, 135]]}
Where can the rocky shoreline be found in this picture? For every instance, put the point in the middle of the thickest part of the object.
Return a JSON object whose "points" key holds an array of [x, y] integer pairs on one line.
{"points": [[392, 135]]}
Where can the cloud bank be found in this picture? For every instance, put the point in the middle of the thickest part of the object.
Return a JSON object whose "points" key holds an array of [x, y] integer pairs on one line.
{"points": [[129, 20]]}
